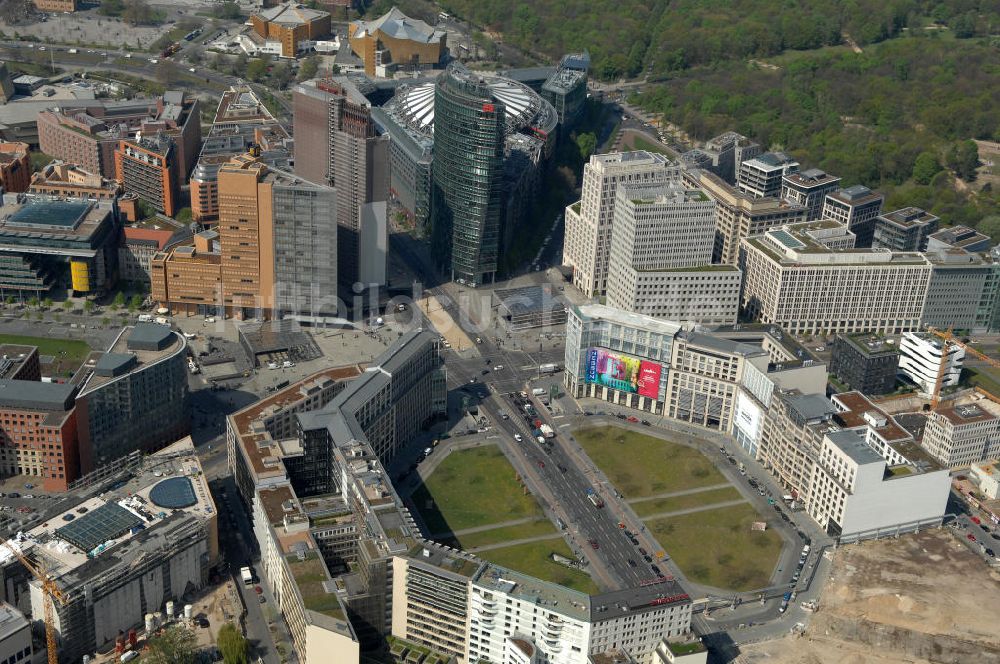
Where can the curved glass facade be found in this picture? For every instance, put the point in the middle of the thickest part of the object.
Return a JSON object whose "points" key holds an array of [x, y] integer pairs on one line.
{"points": [[467, 176]]}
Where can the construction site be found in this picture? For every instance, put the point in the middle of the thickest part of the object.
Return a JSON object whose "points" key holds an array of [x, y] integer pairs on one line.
{"points": [[918, 599], [134, 554]]}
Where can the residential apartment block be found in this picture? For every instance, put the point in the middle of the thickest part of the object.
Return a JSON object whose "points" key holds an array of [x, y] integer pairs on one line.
{"points": [[739, 215], [15, 167], [924, 357], [147, 167], [89, 135], [792, 277], [857, 206], [589, 222]]}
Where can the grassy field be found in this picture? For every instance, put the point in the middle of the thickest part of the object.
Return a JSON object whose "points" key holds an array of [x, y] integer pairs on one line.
{"points": [[661, 505], [637, 142], [640, 465], [472, 488], [70, 349], [533, 559], [506, 534], [718, 548]]}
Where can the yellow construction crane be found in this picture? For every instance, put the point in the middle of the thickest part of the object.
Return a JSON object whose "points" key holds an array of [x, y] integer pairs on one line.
{"points": [[947, 337], [49, 591]]}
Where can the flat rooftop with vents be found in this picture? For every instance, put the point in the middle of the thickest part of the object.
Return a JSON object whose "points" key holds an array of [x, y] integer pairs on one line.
{"points": [[136, 347]]}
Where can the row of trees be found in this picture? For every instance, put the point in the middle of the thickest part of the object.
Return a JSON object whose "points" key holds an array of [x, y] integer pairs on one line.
{"points": [[178, 645]]}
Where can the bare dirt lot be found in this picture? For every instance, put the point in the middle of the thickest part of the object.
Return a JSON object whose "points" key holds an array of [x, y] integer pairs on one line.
{"points": [[922, 598]]}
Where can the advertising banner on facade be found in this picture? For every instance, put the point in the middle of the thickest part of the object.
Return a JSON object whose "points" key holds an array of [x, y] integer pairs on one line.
{"points": [[624, 373]]}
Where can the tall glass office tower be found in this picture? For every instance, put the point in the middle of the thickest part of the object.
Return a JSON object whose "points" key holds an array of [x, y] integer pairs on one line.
{"points": [[468, 176]]}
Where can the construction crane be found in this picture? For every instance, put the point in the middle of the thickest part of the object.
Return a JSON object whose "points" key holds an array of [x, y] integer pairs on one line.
{"points": [[49, 591], [946, 338]]}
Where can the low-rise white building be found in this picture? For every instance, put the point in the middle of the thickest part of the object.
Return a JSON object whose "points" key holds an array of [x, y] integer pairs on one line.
{"points": [[921, 356], [856, 494], [987, 477], [15, 636], [960, 434]]}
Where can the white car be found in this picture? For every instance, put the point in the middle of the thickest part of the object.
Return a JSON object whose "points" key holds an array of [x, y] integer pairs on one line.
{"points": [[209, 320], [272, 365], [287, 365], [127, 55], [153, 61], [192, 70], [517, 437], [498, 367], [190, 335]]}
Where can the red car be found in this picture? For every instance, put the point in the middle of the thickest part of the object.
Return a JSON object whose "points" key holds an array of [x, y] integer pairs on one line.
{"points": [[972, 538], [541, 464], [633, 419], [258, 590], [976, 520], [594, 544]]}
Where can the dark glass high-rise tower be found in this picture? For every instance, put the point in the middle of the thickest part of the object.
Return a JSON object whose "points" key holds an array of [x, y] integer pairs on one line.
{"points": [[468, 187]]}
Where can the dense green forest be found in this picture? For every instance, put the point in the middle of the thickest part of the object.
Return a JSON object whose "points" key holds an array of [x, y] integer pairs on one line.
{"points": [[892, 117], [626, 36]]}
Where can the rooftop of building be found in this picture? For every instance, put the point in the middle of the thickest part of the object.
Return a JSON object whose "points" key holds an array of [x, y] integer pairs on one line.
{"points": [[394, 23], [445, 558], [811, 177], [908, 217], [721, 344], [713, 267], [523, 107], [11, 152], [41, 219], [260, 450], [12, 358], [136, 348], [151, 236], [667, 194], [52, 398], [639, 157], [721, 190], [535, 299], [960, 236], [810, 407], [70, 175], [291, 14], [785, 350], [564, 80], [856, 194], [854, 406], [870, 344], [852, 443], [662, 591], [240, 104], [122, 120], [598, 312], [970, 413], [12, 621], [771, 160], [547, 596], [169, 490], [796, 245]]}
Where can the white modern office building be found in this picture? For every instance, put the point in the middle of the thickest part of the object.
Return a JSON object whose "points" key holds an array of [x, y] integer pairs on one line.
{"points": [[809, 189], [586, 247], [661, 252], [856, 494], [963, 433], [762, 176], [921, 356], [801, 278]]}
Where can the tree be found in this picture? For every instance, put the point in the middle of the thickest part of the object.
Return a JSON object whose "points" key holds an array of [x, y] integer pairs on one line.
{"points": [[184, 215], [135, 302], [119, 300], [990, 226], [309, 68], [47, 303], [257, 69], [963, 158], [9, 300], [166, 72], [111, 7], [232, 645], [587, 143], [137, 12], [88, 306], [67, 305], [228, 10], [925, 167], [175, 645], [33, 301], [105, 321]]}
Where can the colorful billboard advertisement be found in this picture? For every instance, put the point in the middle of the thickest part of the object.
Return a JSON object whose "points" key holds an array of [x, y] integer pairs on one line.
{"points": [[621, 372]]}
